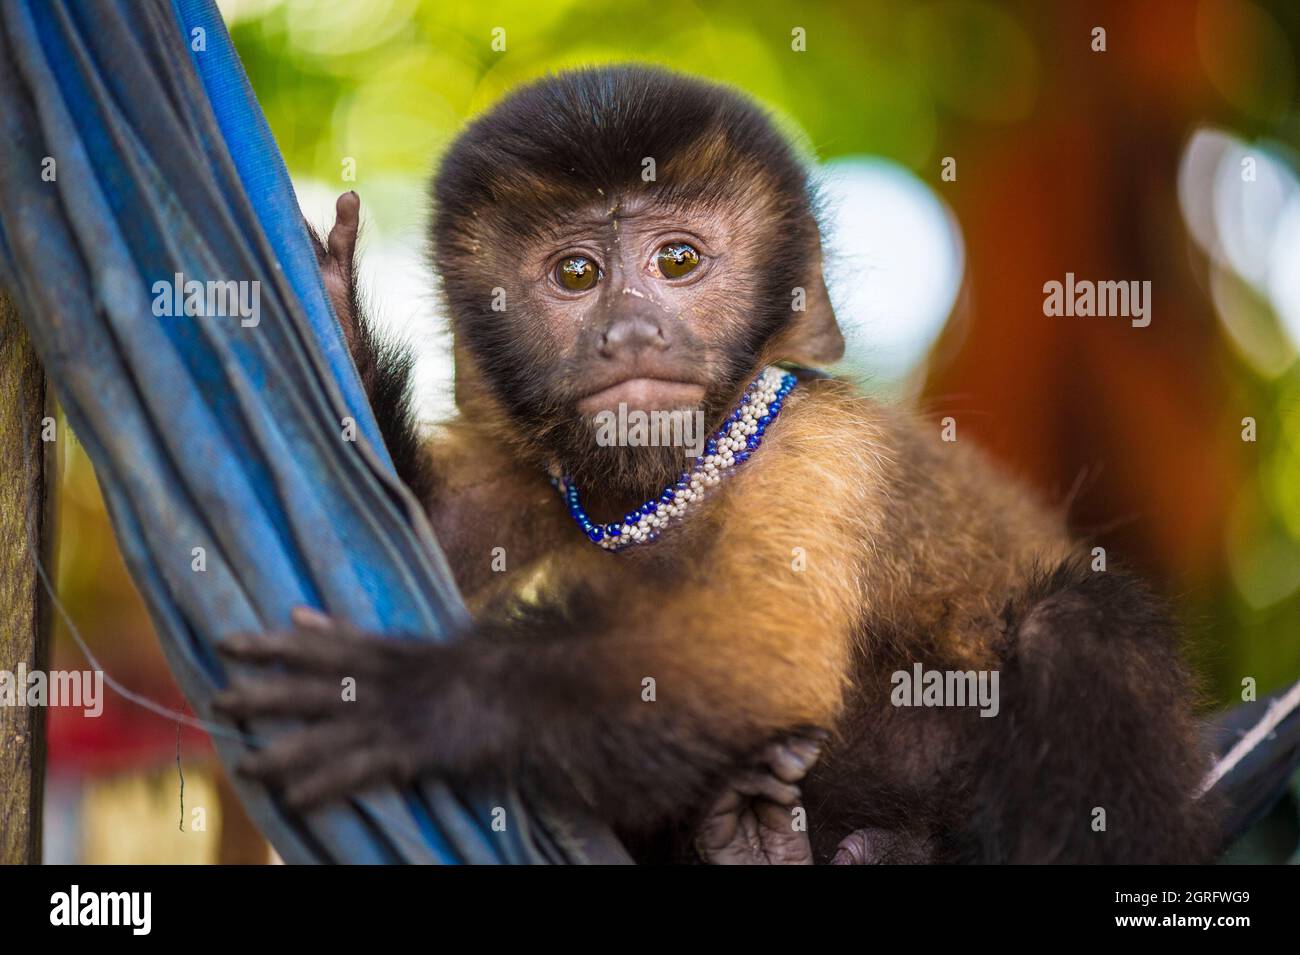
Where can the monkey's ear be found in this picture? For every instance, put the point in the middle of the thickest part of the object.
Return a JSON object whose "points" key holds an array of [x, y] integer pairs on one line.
{"points": [[813, 337]]}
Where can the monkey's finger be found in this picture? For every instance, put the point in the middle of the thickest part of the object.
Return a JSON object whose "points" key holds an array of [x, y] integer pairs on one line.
{"points": [[343, 236], [791, 759], [355, 770], [775, 817], [715, 834], [315, 650], [817, 734], [309, 618], [722, 832], [255, 647], [766, 786], [873, 846], [285, 695], [854, 849], [782, 843], [719, 826], [299, 750], [728, 803]]}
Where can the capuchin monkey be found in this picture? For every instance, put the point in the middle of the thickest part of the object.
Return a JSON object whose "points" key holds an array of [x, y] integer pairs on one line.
{"points": [[698, 649]]}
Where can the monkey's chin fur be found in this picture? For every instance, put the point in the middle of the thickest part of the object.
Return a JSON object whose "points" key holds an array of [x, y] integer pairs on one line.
{"points": [[621, 474], [637, 474]]}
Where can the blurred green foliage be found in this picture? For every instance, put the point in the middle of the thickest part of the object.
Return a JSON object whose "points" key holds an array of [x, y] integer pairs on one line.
{"points": [[389, 82]]}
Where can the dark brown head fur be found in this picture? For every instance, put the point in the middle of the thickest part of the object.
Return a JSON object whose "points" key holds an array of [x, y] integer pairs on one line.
{"points": [[557, 168]]}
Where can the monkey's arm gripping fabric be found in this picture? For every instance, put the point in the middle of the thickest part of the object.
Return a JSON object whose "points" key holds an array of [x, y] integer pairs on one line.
{"points": [[135, 154]]}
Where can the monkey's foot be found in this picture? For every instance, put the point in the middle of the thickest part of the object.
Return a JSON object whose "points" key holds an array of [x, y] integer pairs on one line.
{"points": [[758, 819], [881, 847]]}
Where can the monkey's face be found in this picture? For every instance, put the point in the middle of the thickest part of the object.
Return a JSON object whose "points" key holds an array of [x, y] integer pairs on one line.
{"points": [[585, 293], [626, 307], [633, 307], [635, 300]]}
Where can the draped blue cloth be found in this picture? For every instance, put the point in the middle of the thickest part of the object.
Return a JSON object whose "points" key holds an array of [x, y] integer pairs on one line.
{"points": [[134, 154]]}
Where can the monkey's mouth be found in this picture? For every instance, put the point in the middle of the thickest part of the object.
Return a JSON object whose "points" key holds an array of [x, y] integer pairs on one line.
{"points": [[643, 394]]}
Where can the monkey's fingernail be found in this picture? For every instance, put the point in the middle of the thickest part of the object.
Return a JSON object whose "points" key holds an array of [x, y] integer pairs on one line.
{"points": [[310, 618], [803, 753]]}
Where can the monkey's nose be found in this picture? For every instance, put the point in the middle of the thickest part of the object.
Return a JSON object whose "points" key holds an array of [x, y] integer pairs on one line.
{"points": [[632, 333]]}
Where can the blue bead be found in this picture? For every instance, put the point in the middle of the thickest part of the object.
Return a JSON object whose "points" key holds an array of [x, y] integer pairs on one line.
{"points": [[595, 533], [648, 507], [710, 446], [753, 442], [742, 457], [764, 421], [613, 530], [667, 495]]}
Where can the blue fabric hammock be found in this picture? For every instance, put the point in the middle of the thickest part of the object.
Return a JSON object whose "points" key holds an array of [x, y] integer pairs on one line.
{"points": [[134, 153]]}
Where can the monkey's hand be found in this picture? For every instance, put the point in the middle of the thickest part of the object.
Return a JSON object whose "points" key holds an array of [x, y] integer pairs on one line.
{"points": [[372, 710], [335, 257], [758, 820]]}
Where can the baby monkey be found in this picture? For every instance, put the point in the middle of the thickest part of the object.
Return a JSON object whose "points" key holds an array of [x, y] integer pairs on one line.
{"points": [[706, 645]]}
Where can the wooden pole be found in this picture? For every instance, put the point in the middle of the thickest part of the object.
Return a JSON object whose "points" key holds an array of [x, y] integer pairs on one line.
{"points": [[28, 471]]}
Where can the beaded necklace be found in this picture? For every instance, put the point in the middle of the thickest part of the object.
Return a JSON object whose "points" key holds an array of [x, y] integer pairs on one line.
{"points": [[738, 438]]}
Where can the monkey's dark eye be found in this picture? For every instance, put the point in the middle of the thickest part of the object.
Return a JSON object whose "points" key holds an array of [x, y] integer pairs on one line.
{"points": [[676, 259], [577, 273]]}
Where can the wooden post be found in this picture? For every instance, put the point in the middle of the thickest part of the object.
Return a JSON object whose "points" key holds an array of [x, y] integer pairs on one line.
{"points": [[28, 471]]}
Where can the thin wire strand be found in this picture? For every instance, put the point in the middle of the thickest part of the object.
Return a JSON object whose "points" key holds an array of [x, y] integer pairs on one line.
{"points": [[139, 699], [1277, 711]]}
